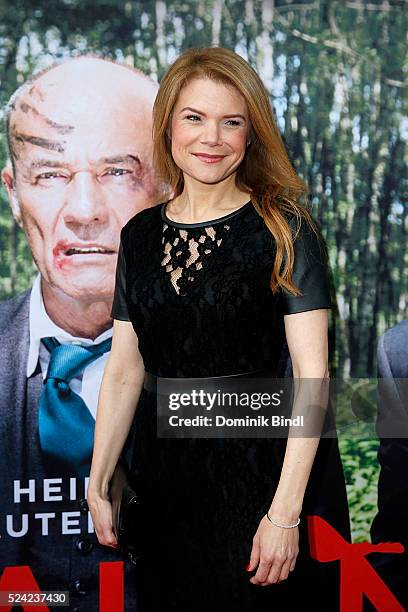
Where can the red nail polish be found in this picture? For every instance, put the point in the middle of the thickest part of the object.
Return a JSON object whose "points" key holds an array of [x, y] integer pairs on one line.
{"points": [[247, 567]]}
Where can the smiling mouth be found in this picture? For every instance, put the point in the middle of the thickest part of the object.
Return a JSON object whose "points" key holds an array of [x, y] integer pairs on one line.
{"points": [[209, 158]]}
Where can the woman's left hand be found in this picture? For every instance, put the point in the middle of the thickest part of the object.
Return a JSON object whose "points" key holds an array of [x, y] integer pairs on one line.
{"points": [[274, 553]]}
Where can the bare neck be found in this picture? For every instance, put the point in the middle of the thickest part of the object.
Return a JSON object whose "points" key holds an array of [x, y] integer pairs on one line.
{"points": [[86, 319], [202, 201]]}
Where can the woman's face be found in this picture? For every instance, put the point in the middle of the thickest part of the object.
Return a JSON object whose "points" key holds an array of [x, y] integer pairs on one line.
{"points": [[209, 130]]}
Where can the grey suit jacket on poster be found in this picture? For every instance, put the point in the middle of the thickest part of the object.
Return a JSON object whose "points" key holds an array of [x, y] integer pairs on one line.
{"points": [[59, 562]]}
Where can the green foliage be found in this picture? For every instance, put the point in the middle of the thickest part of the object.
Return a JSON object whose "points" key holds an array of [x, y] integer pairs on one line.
{"points": [[361, 470]]}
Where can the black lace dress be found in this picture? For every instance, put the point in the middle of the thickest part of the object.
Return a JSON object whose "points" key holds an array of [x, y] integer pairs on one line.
{"points": [[199, 300]]}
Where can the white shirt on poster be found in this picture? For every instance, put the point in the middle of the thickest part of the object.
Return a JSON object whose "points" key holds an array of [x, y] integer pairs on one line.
{"points": [[87, 384]]}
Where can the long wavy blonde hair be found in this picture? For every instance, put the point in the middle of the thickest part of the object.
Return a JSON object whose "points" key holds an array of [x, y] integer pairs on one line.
{"points": [[265, 172]]}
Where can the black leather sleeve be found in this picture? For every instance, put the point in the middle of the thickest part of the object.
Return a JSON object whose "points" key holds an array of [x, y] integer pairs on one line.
{"points": [[119, 306], [310, 273]]}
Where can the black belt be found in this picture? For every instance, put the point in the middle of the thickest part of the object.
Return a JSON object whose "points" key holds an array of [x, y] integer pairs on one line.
{"points": [[151, 380]]}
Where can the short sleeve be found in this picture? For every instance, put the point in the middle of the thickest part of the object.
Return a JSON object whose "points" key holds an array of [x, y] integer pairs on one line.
{"points": [[119, 305], [310, 273]]}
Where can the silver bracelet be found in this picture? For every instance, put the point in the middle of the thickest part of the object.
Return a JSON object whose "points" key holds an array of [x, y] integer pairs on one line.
{"points": [[280, 524]]}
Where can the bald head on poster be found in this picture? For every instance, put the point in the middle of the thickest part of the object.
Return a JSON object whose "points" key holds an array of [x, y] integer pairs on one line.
{"points": [[80, 146]]}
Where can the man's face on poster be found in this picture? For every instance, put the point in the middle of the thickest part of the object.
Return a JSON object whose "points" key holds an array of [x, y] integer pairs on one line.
{"points": [[82, 169]]}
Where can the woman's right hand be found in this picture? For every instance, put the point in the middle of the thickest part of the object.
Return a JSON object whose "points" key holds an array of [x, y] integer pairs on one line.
{"points": [[121, 385], [101, 512]]}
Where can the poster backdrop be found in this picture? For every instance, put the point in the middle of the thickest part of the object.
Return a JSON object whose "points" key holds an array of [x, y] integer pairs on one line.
{"points": [[335, 72]]}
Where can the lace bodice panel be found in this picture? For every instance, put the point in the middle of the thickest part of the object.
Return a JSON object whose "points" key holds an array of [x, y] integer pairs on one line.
{"points": [[187, 252]]}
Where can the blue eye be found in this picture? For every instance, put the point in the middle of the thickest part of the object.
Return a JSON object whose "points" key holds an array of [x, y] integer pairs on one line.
{"points": [[193, 118], [115, 176], [117, 171], [49, 176]]}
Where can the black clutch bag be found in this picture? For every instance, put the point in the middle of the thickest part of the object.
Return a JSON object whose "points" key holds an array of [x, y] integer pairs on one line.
{"points": [[125, 512]]}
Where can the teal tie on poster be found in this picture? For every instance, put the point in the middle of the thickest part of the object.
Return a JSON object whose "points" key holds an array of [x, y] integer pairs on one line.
{"points": [[66, 427]]}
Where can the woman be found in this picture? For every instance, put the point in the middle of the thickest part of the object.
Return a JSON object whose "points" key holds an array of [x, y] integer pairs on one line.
{"points": [[232, 267]]}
